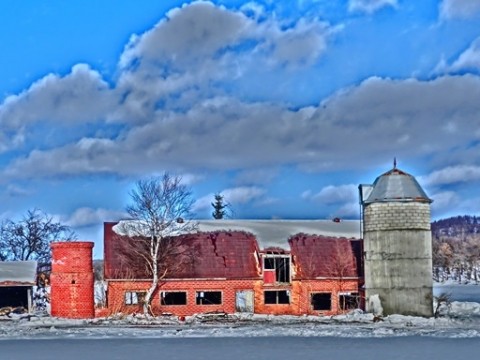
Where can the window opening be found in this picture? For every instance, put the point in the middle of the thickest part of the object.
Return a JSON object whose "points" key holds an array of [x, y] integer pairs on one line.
{"points": [[349, 301], [277, 297], [278, 264], [134, 297], [322, 301], [209, 297], [174, 298]]}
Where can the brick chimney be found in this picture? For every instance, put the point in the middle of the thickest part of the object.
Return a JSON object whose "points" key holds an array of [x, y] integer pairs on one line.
{"points": [[72, 280]]}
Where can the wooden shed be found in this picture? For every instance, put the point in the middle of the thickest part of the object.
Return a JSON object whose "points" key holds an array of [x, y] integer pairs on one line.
{"points": [[17, 279]]}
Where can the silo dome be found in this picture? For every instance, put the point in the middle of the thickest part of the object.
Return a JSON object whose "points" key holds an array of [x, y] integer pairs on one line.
{"points": [[396, 185]]}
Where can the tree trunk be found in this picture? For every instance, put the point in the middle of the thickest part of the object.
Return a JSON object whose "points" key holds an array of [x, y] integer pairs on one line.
{"points": [[154, 250], [147, 309]]}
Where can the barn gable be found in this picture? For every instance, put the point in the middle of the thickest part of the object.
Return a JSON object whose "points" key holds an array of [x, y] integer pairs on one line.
{"points": [[219, 254], [317, 256]]}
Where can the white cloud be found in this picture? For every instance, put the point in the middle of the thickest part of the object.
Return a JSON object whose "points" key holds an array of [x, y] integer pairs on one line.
{"points": [[469, 59], [452, 175], [459, 9], [256, 176], [302, 44], [198, 127], [306, 195], [179, 62], [444, 202], [184, 60], [193, 32], [469, 205], [187, 56], [17, 191], [253, 9], [370, 6], [168, 67], [242, 194], [337, 194], [366, 124], [80, 96], [344, 198], [348, 210], [86, 216], [237, 195]]}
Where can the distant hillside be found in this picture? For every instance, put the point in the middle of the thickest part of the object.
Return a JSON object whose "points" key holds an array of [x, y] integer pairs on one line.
{"points": [[456, 226], [456, 249]]}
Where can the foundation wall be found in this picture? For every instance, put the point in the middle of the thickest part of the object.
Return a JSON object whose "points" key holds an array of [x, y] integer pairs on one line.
{"points": [[300, 296]]}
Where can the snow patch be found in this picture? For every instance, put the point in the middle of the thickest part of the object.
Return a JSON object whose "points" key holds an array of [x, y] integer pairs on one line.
{"points": [[375, 305], [461, 321]]}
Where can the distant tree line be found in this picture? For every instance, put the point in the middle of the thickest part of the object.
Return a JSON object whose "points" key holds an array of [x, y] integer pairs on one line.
{"points": [[456, 249]]}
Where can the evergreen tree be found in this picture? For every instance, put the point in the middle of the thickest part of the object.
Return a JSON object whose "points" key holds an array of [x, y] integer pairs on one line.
{"points": [[219, 207]]}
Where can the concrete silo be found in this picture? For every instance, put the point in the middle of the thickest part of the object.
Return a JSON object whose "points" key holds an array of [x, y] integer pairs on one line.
{"points": [[397, 244]]}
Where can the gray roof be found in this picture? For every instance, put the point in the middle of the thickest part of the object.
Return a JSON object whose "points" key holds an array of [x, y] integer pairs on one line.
{"points": [[17, 273], [275, 233], [396, 185]]}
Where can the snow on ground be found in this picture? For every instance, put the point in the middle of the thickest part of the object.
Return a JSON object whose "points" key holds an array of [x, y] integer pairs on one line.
{"points": [[459, 320]]}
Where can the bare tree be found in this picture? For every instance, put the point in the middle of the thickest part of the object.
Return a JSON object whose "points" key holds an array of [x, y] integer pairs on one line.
{"points": [[443, 300], [30, 237], [160, 208], [342, 267]]}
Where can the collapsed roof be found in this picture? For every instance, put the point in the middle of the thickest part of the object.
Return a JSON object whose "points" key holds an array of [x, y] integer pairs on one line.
{"points": [[227, 250]]}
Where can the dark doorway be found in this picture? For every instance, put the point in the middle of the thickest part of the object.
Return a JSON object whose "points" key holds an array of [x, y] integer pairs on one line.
{"points": [[321, 301], [14, 296]]}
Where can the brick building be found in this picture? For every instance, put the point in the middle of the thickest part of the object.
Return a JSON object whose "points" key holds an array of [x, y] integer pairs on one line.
{"points": [[264, 267]]}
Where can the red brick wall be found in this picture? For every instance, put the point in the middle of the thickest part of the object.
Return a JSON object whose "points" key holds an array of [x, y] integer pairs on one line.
{"points": [[300, 294], [116, 293], [72, 280]]}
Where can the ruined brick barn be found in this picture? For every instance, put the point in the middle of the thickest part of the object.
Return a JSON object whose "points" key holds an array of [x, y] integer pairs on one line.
{"points": [[271, 266], [264, 267]]}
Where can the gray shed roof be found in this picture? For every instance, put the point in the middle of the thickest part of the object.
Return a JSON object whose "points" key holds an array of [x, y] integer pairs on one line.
{"points": [[17, 273], [396, 185]]}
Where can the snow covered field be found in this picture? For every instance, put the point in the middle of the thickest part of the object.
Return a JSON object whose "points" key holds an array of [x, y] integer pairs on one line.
{"points": [[456, 334], [460, 320], [458, 292]]}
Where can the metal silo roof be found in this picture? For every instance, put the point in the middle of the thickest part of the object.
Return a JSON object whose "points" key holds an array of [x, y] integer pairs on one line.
{"points": [[396, 185]]}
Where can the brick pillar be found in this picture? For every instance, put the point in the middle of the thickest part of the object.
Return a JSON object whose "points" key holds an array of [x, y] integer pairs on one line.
{"points": [[72, 280]]}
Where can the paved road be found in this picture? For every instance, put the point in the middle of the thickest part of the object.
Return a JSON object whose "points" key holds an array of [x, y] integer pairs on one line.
{"points": [[263, 348]]}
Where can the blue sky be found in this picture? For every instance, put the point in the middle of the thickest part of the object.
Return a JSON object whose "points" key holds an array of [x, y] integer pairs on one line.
{"points": [[284, 107]]}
